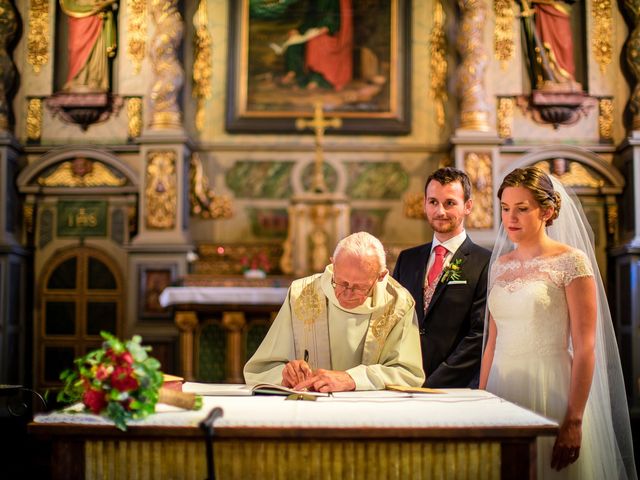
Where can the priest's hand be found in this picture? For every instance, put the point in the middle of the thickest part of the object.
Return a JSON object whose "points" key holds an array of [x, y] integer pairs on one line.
{"points": [[294, 372], [566, 449], [328, 381]]}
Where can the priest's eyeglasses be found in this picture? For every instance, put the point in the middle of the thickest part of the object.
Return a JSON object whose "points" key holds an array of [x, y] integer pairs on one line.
{"points": [[355, 289]]}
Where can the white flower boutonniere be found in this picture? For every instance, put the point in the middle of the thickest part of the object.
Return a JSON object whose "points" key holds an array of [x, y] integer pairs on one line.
{"points": [[452, 272]]}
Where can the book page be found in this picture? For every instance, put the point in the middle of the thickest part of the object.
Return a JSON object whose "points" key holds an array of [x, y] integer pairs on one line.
{"points": [[213, 389]]}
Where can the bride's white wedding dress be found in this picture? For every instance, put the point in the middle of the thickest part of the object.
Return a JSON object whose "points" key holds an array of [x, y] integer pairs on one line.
{"points": [[532, 360]]}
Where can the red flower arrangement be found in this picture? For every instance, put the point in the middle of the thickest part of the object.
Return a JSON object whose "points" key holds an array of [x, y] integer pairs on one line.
{"points": [[258, 261], [121, 381]]}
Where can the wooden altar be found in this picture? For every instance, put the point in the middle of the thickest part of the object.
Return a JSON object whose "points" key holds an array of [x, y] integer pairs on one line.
{"points": [[475, 436], [235, 304]]}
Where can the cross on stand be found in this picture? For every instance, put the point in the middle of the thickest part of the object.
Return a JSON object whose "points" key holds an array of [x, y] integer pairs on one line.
{"points": [[319, 125]]}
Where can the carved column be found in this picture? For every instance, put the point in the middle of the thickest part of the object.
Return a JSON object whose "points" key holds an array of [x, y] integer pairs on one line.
{"points": [[476, 143], [168, 72], [474, 111], [163, 222], [633, 58], [233, 323], [187, 323]]}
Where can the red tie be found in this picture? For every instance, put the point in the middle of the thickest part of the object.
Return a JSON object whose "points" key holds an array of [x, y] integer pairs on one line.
{"points": [[436, 268]]}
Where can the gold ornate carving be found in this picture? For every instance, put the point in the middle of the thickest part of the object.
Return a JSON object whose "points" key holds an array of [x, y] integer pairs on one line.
{"points": [[478, 167], [503, 46], [308, 306], [438, 51], [474, 111], [160, 194], [38, 37], [136, 32], [204, 202], [602, 49], [202, 63], [168, 73], [605, 118], [134, 117], [505, 116], [413, 205], [82, 172], [34, 119], [571, 174]]}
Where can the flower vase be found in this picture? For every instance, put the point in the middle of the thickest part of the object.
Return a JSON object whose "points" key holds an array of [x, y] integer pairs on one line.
{"points": [[255, 273]]}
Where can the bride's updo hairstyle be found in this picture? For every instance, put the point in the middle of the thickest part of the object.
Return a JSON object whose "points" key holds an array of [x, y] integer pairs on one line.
{"points": [[539, 184]]}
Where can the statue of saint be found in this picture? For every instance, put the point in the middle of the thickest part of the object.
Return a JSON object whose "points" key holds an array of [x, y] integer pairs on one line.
{"points": [[549, 45], [91, 43]]}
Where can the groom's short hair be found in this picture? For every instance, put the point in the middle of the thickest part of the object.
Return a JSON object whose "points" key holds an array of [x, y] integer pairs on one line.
{"points": [[447, 175]]}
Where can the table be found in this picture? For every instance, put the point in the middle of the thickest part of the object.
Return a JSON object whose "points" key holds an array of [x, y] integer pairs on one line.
{"points": [[460, 434], [192, 304]]}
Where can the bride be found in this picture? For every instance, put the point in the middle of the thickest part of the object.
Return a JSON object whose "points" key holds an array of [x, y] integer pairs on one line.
{"points": [[550, 345]]}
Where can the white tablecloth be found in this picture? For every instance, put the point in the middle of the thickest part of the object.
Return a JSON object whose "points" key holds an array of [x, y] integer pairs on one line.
{"points": [[223, 295], [455, 408]]}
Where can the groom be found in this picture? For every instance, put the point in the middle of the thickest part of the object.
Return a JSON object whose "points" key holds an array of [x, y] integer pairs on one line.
{"points": [[448, 280]]}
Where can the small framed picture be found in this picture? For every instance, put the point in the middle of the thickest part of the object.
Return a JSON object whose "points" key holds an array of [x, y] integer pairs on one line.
{"points": [[153, 279]]}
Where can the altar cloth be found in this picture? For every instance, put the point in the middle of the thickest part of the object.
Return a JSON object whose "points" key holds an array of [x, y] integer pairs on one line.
{"points": [[457, 408], [223, 295]]}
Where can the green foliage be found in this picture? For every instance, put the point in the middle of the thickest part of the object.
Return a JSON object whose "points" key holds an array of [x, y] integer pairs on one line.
{"points": [[119, 380]]}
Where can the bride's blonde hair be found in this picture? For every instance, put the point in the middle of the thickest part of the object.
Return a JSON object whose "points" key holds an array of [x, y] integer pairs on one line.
{"points": [[539, 184]]}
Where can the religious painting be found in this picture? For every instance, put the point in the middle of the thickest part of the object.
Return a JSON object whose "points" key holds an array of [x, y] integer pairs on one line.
{"points": [[153, 279], [351, 56]]}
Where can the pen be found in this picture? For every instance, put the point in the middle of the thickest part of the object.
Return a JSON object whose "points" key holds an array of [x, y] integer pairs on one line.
{"points": [[306, 355]]}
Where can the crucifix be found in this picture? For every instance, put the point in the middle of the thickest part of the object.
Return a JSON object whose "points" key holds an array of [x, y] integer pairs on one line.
{"points": [[319, 125]]}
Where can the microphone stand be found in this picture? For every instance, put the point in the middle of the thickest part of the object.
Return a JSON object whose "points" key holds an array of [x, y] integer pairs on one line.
{"points": [[207, 426]]}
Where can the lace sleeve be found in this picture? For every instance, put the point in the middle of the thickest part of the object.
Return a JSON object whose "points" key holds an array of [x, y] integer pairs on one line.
{"points": [[574, 265]]}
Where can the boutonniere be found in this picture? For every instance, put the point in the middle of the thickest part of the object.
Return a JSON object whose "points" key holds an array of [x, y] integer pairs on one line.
{"points": [[452, 272]]}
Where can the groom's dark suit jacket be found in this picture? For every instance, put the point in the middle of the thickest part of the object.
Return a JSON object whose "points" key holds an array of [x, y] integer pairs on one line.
{"points": [[451, 331]]}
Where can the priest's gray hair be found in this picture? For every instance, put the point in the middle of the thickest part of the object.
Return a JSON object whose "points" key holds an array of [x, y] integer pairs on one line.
{"points": [[365, 245]]}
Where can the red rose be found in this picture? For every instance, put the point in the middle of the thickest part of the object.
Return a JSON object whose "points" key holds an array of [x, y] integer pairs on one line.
{"points": [[94, 400], [102, 373], [126, 358], [122, 379]]}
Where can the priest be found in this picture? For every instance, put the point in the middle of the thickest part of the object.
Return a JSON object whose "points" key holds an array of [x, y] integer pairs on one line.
{"points": [[352, 327]]}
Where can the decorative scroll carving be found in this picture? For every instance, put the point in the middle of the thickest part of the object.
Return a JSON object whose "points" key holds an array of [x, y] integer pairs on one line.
{"points": [[136, 32], [204, 202], [8, 28], [556, 108], [633, 58], [605, 119], [82, 172], [38, 37], [438, 51], [413, 205], [602, 49], [474, 111], [134, 117], [571, 174], [160, 194], [505, 116], [34, 119], [503, 46], [202, 63], [169, 75], [84, 109], [478, 167]]}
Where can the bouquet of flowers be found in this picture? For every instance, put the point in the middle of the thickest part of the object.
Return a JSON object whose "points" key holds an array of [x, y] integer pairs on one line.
{"points": [[258, 261], [120, 380]]}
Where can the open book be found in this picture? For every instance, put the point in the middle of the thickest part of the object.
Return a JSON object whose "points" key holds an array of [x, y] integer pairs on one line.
{"points": [[240, 389]]}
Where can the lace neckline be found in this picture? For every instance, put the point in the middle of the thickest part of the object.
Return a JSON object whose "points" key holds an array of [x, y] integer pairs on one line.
{"points": [[538, 259]]}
